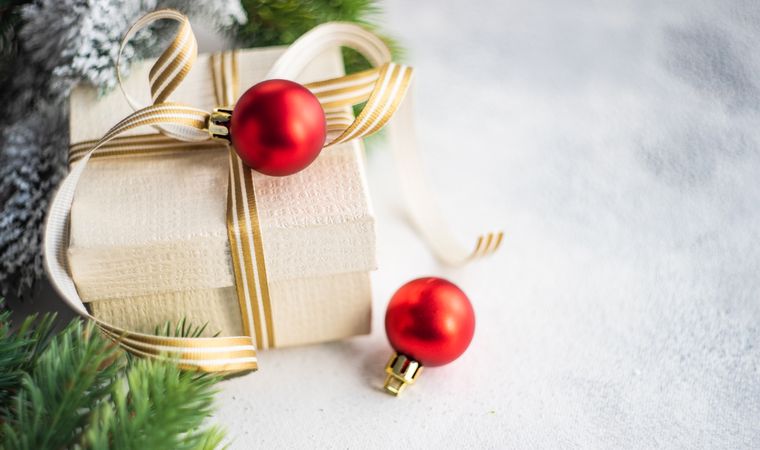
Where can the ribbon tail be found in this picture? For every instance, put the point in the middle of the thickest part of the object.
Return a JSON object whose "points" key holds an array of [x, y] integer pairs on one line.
{"points": [[389, 83], [420, 201]]}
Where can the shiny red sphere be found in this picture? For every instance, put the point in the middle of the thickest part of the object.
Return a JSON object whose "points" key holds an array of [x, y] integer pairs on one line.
{"points": [[430, 320], [278, 127]]}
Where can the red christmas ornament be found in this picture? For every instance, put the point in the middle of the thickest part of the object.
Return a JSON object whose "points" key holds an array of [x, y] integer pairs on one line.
{"points": [[278, 127], [429, 322]]}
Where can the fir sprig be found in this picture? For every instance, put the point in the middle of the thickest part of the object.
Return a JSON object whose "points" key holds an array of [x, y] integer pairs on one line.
{"points": [[182, 329], [19, 351], [158, 407], [280, 22], [77, 390], [55, 400]]}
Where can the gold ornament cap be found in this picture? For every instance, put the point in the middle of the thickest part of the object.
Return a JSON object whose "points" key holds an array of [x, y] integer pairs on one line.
{"points": [[219, 123], [401, 371]]}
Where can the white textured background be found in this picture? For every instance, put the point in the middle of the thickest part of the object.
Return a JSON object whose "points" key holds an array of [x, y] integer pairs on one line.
{"points": [[617, 144]]}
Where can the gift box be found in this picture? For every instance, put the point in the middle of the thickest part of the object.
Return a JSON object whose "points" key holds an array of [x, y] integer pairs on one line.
{"points": [[148, 238]]}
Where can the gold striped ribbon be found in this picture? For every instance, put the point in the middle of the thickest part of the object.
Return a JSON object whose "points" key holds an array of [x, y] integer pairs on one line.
{"points": [[243, 228], [184, 128]]}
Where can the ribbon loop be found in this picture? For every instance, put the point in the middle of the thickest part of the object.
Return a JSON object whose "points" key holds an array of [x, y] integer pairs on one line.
{"points": [[168, 71], [324, 37]]}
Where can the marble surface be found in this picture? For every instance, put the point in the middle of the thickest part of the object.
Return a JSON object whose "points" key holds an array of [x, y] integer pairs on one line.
{"points": [[616, 143]]}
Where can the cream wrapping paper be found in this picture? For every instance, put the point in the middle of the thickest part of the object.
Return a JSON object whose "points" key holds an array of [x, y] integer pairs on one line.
{"points": [[148, 237]]}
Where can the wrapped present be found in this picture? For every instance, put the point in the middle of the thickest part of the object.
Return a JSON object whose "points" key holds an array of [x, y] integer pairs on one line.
{"points": [[160, 218], [148, 237]]}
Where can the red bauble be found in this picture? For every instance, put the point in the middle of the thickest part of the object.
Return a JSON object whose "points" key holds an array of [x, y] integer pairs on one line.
{"points": [[278, 127], [430, 320]]}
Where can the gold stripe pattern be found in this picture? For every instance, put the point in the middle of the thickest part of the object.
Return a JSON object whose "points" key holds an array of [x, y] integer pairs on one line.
{"points": [[382, 88], [487, 244], [147, 144], [174, 63], [243, 228]]}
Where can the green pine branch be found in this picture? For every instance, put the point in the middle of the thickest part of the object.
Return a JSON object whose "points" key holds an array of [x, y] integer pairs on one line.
{"points": [[54, 402], [77, 389], [280, 22], [182, 329], [19, 351], [159, 406]]}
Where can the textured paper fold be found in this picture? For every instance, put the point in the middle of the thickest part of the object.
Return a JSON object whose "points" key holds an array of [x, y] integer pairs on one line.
{"points": [[149, 239]]}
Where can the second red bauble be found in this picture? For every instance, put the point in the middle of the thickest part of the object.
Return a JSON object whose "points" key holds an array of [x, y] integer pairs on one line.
{"points": [[278, 127], [430, 320]]}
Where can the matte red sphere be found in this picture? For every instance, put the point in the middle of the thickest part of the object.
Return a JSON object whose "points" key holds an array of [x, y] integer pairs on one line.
{"points": [[430, 320], [278, 127]]}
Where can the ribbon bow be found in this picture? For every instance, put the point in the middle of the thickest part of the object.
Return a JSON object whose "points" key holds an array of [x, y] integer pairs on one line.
{"points": [[383, 89]]}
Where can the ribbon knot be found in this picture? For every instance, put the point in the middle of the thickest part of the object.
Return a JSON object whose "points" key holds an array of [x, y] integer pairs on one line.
{"points": [[383, 87]]}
